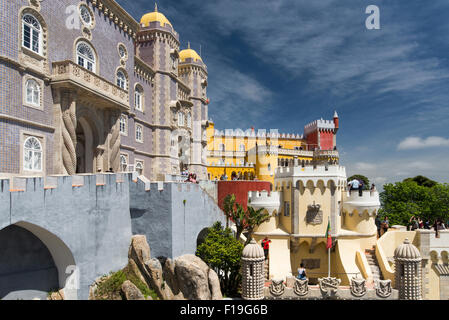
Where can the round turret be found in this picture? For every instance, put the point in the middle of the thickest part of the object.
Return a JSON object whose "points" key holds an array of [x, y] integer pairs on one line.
{"points": [[407, 265], [253, 271]]}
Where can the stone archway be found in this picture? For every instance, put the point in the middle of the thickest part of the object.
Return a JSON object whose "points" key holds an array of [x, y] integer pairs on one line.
{"points": [[201, 236], [34, 262]]}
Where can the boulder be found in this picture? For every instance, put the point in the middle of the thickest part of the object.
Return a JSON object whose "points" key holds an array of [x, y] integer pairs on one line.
{"points": [[168, 273], [214, 285], [131, 292], [192, 275], [156, 281], [139, 251]]}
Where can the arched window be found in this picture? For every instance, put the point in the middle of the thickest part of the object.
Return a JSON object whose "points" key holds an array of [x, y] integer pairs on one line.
{"points": [[123, 163], [31, 33], [189, 120], [221, 147], [32, 155], [138, 98], [139, 167], [85, 56], [123, 125], [180, 119], [33, 92], [121, 79], [242, 147], [139, 135]]}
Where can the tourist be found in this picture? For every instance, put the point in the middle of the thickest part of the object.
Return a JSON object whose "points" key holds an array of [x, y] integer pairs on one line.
{"points": [[427, 224], [420, 223], [266, 246], [194, 179], [373, 187], [353, 185], [302, 272], [385, 224], [378, 225], [413, 223], [360, 188]]}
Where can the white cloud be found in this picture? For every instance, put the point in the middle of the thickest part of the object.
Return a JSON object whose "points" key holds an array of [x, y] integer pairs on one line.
{"points": [[419, 143]]}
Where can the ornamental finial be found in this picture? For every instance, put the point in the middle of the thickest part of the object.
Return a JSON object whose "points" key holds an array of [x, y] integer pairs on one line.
{"points": [[155, 7]]}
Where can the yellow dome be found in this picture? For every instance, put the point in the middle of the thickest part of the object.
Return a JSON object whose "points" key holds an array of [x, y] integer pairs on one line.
{"points": [[154, 16], [189, 53]]}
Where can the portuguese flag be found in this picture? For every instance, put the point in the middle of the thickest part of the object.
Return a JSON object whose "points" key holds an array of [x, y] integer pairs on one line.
{"points": [[328, 235]]}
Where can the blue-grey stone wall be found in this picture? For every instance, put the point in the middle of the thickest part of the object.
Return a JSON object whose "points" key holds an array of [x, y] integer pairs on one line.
{"points": [[172, 218], [89, 223]]}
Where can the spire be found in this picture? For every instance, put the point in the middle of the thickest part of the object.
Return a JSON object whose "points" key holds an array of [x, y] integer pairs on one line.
{"points": [[188, 44], [155, 7], [335, 114]]}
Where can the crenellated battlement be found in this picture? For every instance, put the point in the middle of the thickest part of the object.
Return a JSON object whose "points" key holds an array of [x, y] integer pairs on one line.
{"points": [[368, 202], [261, 133], [262, 199], [306, 171], [319, 125], [23, 184]]}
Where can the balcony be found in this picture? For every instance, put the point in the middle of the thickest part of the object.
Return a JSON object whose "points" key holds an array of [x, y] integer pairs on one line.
{"points": [[69, 74]]}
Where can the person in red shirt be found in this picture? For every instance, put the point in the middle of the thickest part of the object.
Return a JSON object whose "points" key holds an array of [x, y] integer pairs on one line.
{"points": [[266, 246]]}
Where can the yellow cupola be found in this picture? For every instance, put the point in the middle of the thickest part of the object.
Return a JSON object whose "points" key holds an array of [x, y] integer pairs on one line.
{"points": [[189, 54], [154, 16]]}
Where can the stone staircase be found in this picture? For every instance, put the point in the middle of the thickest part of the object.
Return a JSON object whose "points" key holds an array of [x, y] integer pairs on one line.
{"points": [[374, 266]]}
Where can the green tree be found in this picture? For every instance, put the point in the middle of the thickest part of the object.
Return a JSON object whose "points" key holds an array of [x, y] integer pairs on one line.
{"points": [[365, 180], [402, 200], [223, 253], [244, 220], [422, 181], [254, 219]]}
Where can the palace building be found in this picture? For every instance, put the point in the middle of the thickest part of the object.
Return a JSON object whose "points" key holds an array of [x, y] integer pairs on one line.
{"points": [[247, 155], [86, 88]]}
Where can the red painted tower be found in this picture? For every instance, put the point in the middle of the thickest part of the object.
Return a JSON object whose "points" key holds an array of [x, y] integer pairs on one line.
{"points": [[321, 134]]}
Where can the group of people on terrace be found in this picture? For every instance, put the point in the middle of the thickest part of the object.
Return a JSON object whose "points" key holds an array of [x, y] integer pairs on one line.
{"points": [[190, 177], [357, 184]]}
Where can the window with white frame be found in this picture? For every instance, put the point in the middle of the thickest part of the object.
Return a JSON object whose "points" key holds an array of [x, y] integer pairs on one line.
{"points": [[139, 133], [123, 125], [85, 56], [86, 16], [123, 163], [33, 92], [221, 147], [242, 147], [189, 120], [180, 119], [32, 155], [139, 167], [138, 98], [31, 33], [121, 79]]}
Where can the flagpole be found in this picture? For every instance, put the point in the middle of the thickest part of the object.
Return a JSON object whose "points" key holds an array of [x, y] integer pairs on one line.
{"points": [[329, 254]]}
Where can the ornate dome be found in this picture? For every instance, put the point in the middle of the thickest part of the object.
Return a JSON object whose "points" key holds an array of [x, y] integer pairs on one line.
{"points": [[154, 16], [253, 251], [407, 251], [189, 54]]}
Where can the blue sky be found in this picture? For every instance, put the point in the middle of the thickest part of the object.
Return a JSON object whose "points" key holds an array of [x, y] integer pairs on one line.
{"points": [[280, 64]]}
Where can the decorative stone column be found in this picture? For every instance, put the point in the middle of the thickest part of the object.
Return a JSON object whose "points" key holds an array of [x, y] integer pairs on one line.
{"points": [[252, 271], [408, 271]]}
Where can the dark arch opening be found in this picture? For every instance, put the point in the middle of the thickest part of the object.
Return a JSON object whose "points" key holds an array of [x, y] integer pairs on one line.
{"points": [[27, 268], [202, 236]]}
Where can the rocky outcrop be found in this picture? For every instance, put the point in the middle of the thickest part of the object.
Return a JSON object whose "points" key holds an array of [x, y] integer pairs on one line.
{"points": [[195, 279], [187, 277], [131, 292]]}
